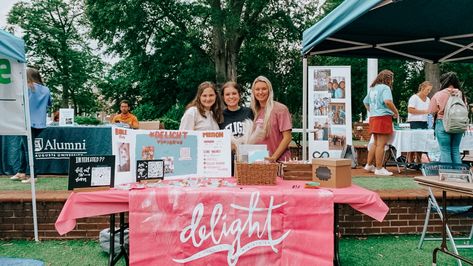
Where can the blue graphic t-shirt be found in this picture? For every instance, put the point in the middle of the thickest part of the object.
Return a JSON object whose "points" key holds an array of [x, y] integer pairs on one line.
{"points": [[375, 100]]}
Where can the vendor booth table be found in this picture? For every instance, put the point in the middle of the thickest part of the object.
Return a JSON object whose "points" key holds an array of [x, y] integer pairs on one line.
{"points": [[422, 140], [279, 225], [463, 188], [54, 146]]}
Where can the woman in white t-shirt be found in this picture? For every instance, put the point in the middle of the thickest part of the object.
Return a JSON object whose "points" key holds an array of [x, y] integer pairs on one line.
{"points": [[418, 110], [205, 111]]}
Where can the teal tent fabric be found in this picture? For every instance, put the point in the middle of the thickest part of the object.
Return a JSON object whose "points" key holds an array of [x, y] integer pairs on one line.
{"points": [[12, 47], [426, 30], [344, 14]]}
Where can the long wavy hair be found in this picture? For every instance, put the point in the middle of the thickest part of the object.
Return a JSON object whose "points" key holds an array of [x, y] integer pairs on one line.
{"points": [[256, 107], [216, 108], [33, 76], [384, 77]]}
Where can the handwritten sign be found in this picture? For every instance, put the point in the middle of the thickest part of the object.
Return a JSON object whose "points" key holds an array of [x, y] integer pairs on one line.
{"points": [[149, 170], [91, 171]]}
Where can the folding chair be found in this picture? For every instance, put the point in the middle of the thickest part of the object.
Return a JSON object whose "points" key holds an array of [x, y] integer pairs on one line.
{"points": [[432, 169], [389, 158]]}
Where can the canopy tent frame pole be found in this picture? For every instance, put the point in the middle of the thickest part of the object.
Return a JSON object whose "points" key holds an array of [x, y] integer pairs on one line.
{"points": [[456, 52], [403, 54], [304, 107], [30, 155]]}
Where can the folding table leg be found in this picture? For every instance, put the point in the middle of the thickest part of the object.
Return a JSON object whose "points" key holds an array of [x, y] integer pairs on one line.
{"points": [[114, 258], [336, 228], [112, 240]]}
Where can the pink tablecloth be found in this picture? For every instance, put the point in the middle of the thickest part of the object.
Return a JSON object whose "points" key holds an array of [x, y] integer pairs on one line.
{"points": [[88, 204]]}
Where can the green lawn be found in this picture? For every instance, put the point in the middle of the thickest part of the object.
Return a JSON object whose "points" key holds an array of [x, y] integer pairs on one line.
{"points": [[373, 183], [373, 250], [386, 183], [43, 183]]}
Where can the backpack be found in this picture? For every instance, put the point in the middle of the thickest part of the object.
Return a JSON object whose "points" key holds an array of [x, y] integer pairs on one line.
{"points": [[455, 115]]}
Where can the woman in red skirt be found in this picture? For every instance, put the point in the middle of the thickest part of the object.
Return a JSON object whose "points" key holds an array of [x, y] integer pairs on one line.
{"points": [[379, 102]]}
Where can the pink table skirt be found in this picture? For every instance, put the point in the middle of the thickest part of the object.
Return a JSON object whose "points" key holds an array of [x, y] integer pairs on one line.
{"points": [[88, 204]]}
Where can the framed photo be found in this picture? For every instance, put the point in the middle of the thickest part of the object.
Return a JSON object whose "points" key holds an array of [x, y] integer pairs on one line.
{"points": [[91, 172], [149, 170]]}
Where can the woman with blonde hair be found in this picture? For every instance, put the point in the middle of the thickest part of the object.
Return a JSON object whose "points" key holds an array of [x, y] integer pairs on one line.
{"points": [[205, 111], [272, 120], [417, 112], [379, 102]]}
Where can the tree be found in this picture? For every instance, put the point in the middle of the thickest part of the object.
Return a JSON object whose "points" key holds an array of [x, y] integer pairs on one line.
{"points": [[171, 46], [56, 43]]}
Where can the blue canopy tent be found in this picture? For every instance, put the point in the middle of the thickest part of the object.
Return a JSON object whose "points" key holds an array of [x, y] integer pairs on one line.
{"points": [[426, 30], [13, 99], [12, 47]]}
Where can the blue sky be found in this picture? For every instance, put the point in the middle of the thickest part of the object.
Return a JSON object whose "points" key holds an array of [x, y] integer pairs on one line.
{"points": [[6, 6]]}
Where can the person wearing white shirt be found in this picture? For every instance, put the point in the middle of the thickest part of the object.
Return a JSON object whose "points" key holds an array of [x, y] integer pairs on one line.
{"points": [[418, 110], [205, 111]]}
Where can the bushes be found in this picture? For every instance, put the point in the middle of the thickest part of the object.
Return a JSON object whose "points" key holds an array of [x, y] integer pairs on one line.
{"points": [[87, 120]]}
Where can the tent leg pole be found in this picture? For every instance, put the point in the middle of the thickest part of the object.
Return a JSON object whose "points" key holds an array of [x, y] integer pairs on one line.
{"points": [[33, 184], [304, 108]]}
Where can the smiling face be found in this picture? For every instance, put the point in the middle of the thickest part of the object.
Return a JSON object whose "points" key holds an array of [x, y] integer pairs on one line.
{"points": [[207, 98], [231, 97], [261, 92]]}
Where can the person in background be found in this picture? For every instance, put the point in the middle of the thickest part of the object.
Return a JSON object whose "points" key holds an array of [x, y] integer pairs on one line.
{"points": [[340, 91], [417, 111], [272, 120], [334, 88], [379, 102], [39, 101], [449, 143], [205, 111], [125, 116]]}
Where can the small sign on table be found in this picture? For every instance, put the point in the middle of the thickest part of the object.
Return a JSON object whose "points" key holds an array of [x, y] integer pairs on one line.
{"points": [[149, 170], [91, 172]]}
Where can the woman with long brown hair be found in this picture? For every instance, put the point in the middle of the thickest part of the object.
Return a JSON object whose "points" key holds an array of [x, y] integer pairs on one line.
{"points": [[39, 101], [205, 111], [379, 102]]}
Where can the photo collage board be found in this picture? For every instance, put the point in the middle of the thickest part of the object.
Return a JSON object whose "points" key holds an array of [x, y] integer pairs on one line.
{"points": [[329, 110], [183, 153]]}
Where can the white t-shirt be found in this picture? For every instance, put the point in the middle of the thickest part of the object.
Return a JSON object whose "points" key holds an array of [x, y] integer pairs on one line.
{"points": [[416, 102], [193, 120]]}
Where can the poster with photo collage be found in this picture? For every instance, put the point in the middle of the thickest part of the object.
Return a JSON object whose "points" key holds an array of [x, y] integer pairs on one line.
{"points": [[329, 110]]}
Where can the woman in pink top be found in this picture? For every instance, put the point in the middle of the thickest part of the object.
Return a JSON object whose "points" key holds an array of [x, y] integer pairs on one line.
{"points": [[272, 120], [449, 142]]}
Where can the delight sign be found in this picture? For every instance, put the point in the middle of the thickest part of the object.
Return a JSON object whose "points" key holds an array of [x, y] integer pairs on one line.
{"points": [[231, 226]]}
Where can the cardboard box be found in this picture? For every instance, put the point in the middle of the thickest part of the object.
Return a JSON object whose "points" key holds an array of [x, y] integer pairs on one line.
{"points": [[297, 171], [332, 172]]}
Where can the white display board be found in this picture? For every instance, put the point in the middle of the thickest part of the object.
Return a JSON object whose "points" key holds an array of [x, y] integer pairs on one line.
{"points": [[329, 110], [66, 117], [185, 153], [12, 83]]}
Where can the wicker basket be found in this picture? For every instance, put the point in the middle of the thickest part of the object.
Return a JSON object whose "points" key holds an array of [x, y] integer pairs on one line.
{"points": [[256, 173]]}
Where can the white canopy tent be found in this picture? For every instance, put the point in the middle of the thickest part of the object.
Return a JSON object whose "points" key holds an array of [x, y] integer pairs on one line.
{"points": [[14, 105]]}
